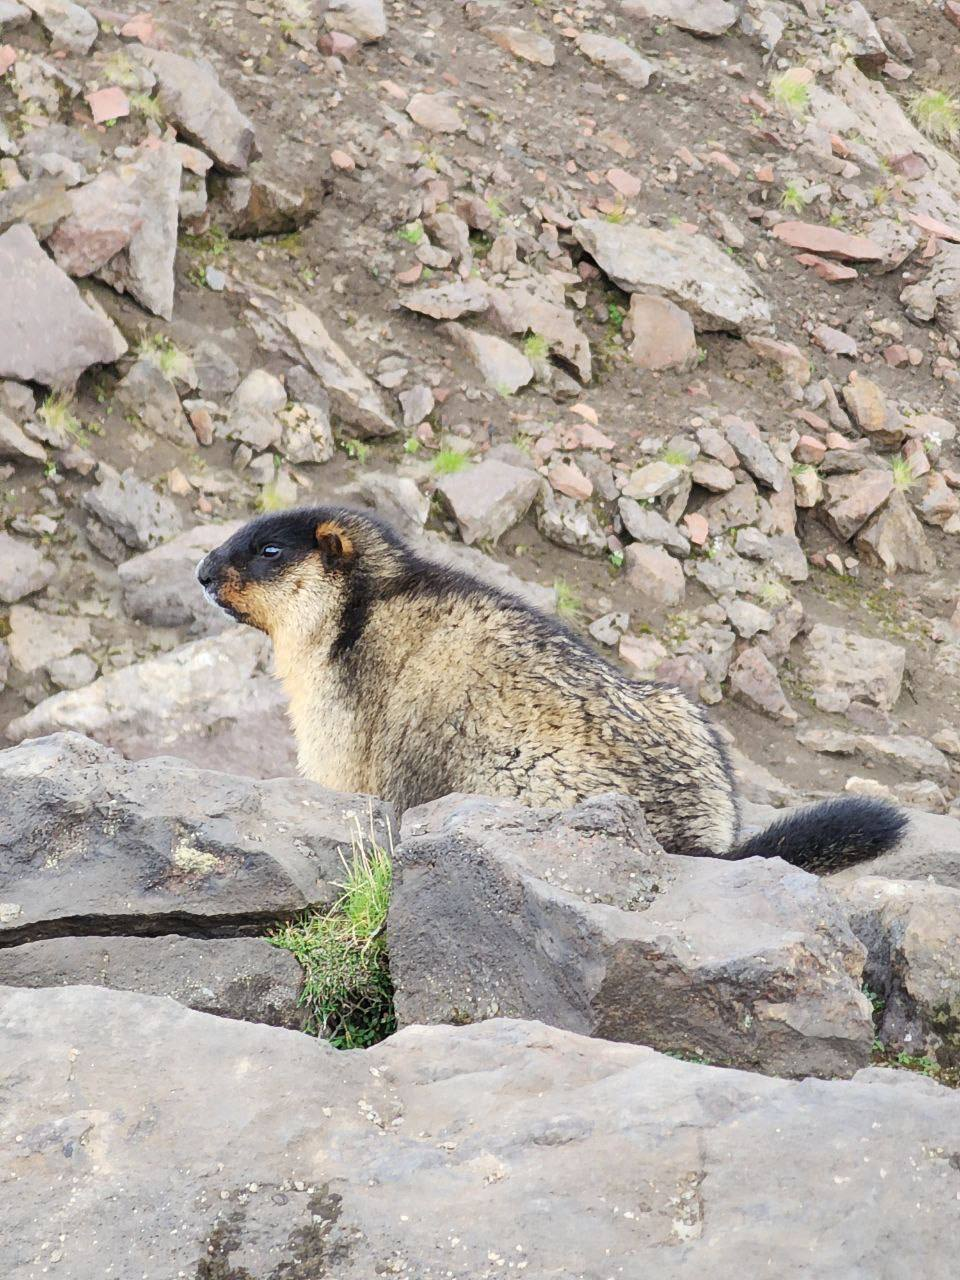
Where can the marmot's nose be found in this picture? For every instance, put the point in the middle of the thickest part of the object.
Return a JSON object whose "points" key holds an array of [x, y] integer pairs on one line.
{"points": [[205, 571]]}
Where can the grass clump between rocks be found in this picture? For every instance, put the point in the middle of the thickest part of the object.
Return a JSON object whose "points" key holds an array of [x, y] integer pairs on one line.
{"points": [[343, 953], [449, 461], [791, 91], [937, 114]]}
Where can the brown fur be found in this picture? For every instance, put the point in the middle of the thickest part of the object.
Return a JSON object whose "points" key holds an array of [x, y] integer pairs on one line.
{"points": [[409, 681]]}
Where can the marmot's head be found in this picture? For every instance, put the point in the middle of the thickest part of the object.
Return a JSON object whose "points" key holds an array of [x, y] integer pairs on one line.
{"points": [[299, 570]]}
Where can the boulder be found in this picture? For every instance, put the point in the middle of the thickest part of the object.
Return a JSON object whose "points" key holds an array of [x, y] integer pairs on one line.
{"points": [[245, 978], [842, 665], [160, 586], [23, 569], [185, 1143], [488, 499], [92, 844], [203, 112], [579, 919], [48, 333], [690, 270], [212, 699], [910, 930]]}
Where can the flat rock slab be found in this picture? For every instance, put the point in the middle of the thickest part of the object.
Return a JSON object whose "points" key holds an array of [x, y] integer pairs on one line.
{"points": [[92, 844], [48, 334], [581, 920], [210, 701], [135, 1129], [690, 270], [245, 978]]}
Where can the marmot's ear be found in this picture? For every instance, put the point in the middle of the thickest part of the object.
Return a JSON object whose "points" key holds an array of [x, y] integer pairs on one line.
{"points": [[334, 544]]}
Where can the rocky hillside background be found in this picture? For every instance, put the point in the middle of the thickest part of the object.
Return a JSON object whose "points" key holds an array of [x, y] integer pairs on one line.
{"points": [[648, 310], [654, 304]]}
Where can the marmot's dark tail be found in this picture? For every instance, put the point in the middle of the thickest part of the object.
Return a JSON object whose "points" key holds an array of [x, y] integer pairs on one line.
{"points": [[829, 836]]}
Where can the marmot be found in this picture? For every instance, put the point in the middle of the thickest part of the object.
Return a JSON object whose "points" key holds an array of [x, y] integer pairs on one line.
{"points": [[409, 680]]}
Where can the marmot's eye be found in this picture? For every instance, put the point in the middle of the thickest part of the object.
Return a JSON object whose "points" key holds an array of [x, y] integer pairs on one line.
{"points": [[270, 551]]}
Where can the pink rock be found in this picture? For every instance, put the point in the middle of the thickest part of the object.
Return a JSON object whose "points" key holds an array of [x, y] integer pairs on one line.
{"points": [[809, 449], [723, 161], [202, 424], [754, 682], [567, 478], [341, 160], [337, 44], [8, 56], [411, 275], [108, 104], [698, 529], [910, 165], [581, 435], [625, 183], [935, 227], [828, 240], [104, 217], [830, 271], [142, 27], [834, 341], [663, 335], [916, 455], [896, 355], [194, 160]]}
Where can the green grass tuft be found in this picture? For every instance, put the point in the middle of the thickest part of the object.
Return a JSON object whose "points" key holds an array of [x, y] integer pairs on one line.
{"points": [[790, 92], [903, 476], [793, 199], [568, 602], [449, 461], [148, 107], [347, 987], [937, 114], [413, 232], [166, 355], [57, 412], [536, 348]]}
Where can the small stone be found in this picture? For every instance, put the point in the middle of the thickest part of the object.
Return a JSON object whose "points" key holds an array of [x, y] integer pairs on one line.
{"points": [[214, 279], [435, 112], [103, 218], [852, 500], [417, 404], [567, 478], [698, 529], [828, 241], [807, 489], [643, 654], [753, 681], [148, 393], [809, 450], [449, 301], [71, 27], [754, 454], [37, 639], [72, 672], [108, 104], [653, 480], [872, 413], [488, 499], [713, 476], [569, 523], [663, 334], [654, 574], [647, 525], [23, 569], [838, 662], [342, 160], [307, 436], [503, 366], [700, 17], [617, 57], [523, 44], [787, 355], [834, 341], [16, 445], [365, 20], [131, 509]]}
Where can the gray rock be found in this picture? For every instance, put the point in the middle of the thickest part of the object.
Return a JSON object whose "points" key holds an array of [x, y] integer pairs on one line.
{"points": [[394, 497], [268, 200], [842, 665], [160, 586], [243, 978], [38, 639], [472, 560], [488, 499], [72, 671], [297, 331], [90, 843], [569, 523], [448, 301], [138, 515], [690, 270], [307, 434], [70, 26], [853, 499], [147, 392], [363, 19], [16, 445], [647, 525], [617, 57], [23, 569], [212, 699], [523, 44], [442, 1134], [144, 269], [700, 17], [417, 404], [663, 334], [13, 15], [754, 682], [653, 480], [48, 334], [654, 575], [216, 371], [904, 753], [203, 112], [579, 919], [894, 539], [520, 307], [502, 366], [104, 216], [910, 930], [253, 410], [755, 455]]}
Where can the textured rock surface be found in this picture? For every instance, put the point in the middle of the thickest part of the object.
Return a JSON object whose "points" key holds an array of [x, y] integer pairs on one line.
{"points": [[244, 978], [209, 701], [92, 844], [581, 920], [184, 1143], [48, 334], [160, 586], [488, 499]]}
